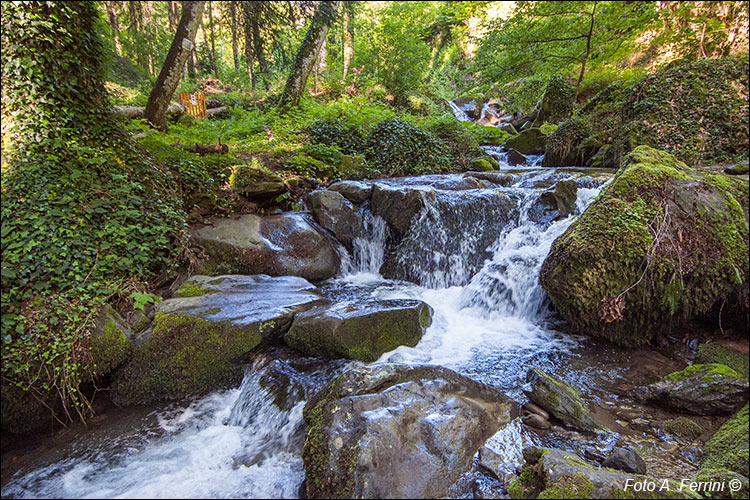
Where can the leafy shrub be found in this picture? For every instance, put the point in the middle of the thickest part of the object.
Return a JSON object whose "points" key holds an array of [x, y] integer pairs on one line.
{"points": [[327, 154], [458, 141], [311, 167], [349, 139], [398, 148]]}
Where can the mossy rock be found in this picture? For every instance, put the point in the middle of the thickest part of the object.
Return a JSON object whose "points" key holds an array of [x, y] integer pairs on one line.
{"points": [[255, 181], [567, 146], [738, 169], [662, 245], [110, 342], [560, 399], [716, 353], [722, 483], [481, 165], [701, 389], [682, 427], [728, 447], [362, 331], [311, 167], [528, 142]]}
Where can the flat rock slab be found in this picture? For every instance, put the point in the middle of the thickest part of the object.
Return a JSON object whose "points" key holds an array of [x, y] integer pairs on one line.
{"points": [[286, 244], [397, 431], [361, 330], [198, 337]]}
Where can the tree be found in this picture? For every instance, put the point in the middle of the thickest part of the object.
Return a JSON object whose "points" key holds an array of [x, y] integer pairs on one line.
{"points": [[213, 44], [545, 38], [308, 53], [171, 71], [234, 23]]}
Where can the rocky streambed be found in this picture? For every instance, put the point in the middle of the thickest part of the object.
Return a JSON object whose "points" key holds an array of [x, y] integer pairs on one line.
{"points": [[412, 354]]}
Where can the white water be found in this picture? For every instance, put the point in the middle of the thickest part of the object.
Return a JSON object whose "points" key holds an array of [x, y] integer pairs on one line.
{"points": [[237, 444]]}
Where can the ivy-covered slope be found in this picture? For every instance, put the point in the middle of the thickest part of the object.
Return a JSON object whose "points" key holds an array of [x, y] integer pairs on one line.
{"points": [[86, 213]]}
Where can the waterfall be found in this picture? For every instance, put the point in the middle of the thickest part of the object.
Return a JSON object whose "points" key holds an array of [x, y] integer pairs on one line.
{"points": [[459, 113]]}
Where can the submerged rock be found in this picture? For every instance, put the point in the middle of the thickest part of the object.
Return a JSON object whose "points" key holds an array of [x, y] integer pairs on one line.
{"points": [[196, 338], [396, 431], [286, 244], [516, 158], [359, 330], [559, 398], [698, 389], [556, 203], [663, 244]]}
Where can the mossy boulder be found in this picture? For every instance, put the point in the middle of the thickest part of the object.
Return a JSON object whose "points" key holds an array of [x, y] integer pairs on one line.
{"points": [[717, 353], [567, 146], [311, 167], [529, 142], [359, 330], [110, 342], [722, 483], [560, 399], [662, 245], [698, 389], [738, 169], [288, 244], [728, 447], [255, 181], [197, 340], [553, 473], [397, 431], [481, 165], [682, 427]]}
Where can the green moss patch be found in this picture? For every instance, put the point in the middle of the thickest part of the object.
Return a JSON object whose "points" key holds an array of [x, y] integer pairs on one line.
{"points": [[716, 353], [728, 447], [682, 427]]}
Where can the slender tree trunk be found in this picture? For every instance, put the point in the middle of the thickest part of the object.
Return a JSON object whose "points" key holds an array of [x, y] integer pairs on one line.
{"points": [[134, 9], [112, 17], [174, 15], [346, 42], [213, 45], [586, 56], [235, 54], [320, 63], [258, 46], [169, 76], [308, 52], [248, 15]]}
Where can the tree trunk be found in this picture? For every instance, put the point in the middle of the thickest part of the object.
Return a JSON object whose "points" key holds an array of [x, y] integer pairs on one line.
{"points": [[248, 14], [174, 15], [586, 56], [346, 41], [307, 54], [259, 53], [213, 45], [115, 25], [169, 76], [235, 54]]}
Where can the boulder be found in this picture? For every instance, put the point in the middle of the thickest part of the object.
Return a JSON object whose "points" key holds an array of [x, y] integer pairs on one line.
{"points": [[397, 206], [396, 431], [254, 181], [481, 165], [723, 483], [556, 203], [627, 460], [570, 144], [336, 214], [286, 244], [197, 337], [360, 330], [516, 158], [528, 142], [553, 473], [355, 191], [493, 177], [557, 102], [682, 427], [728, 448], [708, 389], [110, 342], [662, 245], [560, 399], [738, 169]]}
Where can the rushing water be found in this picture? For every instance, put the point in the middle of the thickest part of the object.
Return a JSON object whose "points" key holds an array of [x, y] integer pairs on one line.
{"points": [[491, 322]]}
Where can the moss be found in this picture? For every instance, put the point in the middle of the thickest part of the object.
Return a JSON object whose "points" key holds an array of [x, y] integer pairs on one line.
{"points": [[481, 165], [548, 128], [728, 447], [191, 289], [527, 484], [682, 427], [722, 476], [716, 353], [184, 356], [576, 486], [710, 372], [109, 350], [255, 180]]}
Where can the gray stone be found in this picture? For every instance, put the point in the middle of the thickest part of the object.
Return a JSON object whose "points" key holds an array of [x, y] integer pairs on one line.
{"points": [[287, 244], [396, 431], [355, 191], [397, 206], [361, 330], [708, 389], [559, 398], [627, 460], [335, 213], [516, 158]]}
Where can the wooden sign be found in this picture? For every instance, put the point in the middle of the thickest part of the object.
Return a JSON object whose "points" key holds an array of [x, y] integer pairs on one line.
{"points": [[195, 103]]}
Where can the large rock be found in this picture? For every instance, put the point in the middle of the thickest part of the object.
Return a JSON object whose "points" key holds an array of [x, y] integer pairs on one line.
{"points": [[553, 473], [255, 181], [397, 206], [728, 448], [559, 398], [698, 389], [662, 245], [335, 213], [555, 203], [355, 191], [395, 431], [359, 330], [528, 142], [110, 342], [197, 336], [557, 102], [278, 245], [627, 460]]}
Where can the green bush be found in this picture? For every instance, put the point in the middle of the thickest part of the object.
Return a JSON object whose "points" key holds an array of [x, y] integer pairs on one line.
{"points": [[349, 140], [398, 148]]}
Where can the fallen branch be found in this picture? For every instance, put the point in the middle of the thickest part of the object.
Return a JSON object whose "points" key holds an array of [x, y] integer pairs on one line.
{"points": [[214, 112], [203, 149], [134, 112]]}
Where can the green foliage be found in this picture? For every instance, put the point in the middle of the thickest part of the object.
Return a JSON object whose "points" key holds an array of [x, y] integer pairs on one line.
{"points": [[141, 300], [349, 140], [727, 448], [85, 212], [398, 148]]}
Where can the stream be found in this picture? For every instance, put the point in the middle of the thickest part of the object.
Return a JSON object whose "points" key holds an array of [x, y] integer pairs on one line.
{"points": [[492, 322]]}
